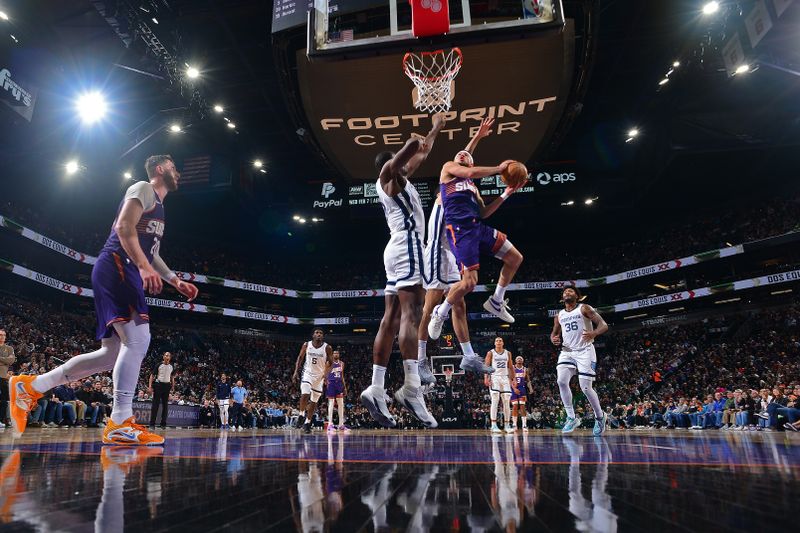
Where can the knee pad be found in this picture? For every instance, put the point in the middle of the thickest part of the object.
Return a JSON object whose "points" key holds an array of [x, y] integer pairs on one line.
{"points": [[315, 396], [495, 396]]}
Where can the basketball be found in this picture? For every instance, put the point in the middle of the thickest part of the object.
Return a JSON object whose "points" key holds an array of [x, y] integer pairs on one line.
{"points": [[515, 174]]}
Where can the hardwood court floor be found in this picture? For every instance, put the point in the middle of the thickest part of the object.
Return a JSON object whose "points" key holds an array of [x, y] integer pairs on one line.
{"points": [[282, 480]]}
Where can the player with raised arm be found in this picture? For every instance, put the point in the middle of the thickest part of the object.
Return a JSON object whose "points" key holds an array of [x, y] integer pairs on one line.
{"points": [[128, 265], [316, 356], [519, 396], [574, 329], [404, 266], [441, 265], [469, 237], [500, 384]]}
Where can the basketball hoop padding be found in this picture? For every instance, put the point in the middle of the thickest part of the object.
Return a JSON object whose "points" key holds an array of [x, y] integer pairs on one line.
{"points": [[429, 17]]}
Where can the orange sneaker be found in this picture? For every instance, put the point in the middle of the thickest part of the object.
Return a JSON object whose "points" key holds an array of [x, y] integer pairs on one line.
{"points": [[126, 457], [129, 433], [22, 400]]}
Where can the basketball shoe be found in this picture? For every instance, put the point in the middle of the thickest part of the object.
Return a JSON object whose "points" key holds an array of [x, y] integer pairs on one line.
{"points": [[129, 433], [10, 485], [498, 309], [425, 374], [436, 324], [411, 398], [475, 363], [126, 457], [375, 399], [22, 400]]}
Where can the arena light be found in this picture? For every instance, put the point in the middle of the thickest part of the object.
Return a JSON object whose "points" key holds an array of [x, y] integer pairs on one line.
{"points": [[785, 291], [728, 301], [72, 167], [192, 72], [296, 217], [301, 220], [505, 325], [314, 219], [175, 128], [231, 125], [568, 203], [3, 15], [91, 107], [633, 133], [359, 330], [534, 325], [218, 108], [155, 20], [676, 309], [589, 201], [258, 163], [127, 176], [676, 64], [262, 171], [630, 317], [710, 8], [13, 38], [742, 69]]}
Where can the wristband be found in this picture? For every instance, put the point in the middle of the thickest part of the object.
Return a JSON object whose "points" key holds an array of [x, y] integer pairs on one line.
{"points": [[504, 196]]}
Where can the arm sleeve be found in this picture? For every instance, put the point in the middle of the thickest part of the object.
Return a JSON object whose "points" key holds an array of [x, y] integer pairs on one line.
{"points": [[143, 192], [163, 270]]}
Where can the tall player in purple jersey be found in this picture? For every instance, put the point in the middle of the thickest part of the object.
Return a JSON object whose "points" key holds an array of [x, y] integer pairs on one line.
{"points": [[128, 265], [469, 237], [519, 396], [335, 390]]}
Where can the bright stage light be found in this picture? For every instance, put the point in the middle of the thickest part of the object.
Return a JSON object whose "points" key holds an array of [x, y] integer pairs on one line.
{"points": [[302, 221], [589, 201], [192, 72], [676, 64], [571, 202], [743, 69], [91, 107], [633, 133], [257, 163], [218, 108], [3, 15], [664, 81], [231, 125], [175, 128], [71, 167], [710, 8], [128, 176]]}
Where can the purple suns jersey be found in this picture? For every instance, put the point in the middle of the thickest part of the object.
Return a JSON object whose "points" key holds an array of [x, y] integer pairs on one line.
{"points": [[335, 375], [459, 200], [519, 373], [150, 228]]}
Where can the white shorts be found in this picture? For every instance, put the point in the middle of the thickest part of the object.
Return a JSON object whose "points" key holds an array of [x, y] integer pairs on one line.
{"points": [[583, 362], [500, 384], [441, 268], [403, 261], [224, 402], [312, 385]]}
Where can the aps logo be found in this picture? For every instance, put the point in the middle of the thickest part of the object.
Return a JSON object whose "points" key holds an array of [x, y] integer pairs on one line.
{"points": [[545, 178]]}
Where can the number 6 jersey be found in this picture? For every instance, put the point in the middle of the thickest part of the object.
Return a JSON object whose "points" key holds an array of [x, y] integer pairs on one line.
{"points": [[573, 324]]}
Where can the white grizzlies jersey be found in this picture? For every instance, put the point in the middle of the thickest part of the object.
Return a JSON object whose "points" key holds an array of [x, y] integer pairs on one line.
{"points": [[315, 360], [404, 210], [500, 364], [311, 496], [573, 324], [441, 267]]}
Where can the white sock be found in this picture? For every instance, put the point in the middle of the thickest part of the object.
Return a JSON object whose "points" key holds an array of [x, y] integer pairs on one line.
{"points": [[506, 410], [340, 403], [378, 375], [422, 350], [499, 294], [514, 421], [411, 368], [466, 349], [444, 309], [135, 340], [330, 412], [80, 366], [564, 375], [495, 400]]}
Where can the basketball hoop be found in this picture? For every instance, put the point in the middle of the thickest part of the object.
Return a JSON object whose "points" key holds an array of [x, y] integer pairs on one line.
{"points": [[433, 74], [448, 375]]}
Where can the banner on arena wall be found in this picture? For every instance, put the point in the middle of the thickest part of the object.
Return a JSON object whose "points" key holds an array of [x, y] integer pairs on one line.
{"points": [[771, 279], [372, 293], [172, 304], [758, 23]]}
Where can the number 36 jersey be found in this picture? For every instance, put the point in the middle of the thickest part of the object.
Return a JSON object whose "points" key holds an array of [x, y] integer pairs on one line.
{"points": [[573, 324], [315, 360]]}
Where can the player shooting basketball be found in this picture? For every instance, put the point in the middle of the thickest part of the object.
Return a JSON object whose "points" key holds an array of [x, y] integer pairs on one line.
{"points": [[469, 237]]}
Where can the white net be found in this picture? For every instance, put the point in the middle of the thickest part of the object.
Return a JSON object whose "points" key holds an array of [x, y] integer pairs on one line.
{"points": [[433, 74]]}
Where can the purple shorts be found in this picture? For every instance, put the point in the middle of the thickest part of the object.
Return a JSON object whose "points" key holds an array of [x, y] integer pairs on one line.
{"points": [[118, 292], [471, 238], [522, 397], [335, 389]]}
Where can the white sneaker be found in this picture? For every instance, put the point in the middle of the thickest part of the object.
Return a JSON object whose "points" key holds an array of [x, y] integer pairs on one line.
{"points": [[510, 429], [240, 428], [436, 324], [500, 310], [411, 398], [425, 374], [375, 399], [475, 363], [496, 429], [524, 429]]}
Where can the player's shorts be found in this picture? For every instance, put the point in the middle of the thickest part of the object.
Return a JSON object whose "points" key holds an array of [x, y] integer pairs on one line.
{"points": [[226, 401], [472, 238], [521, 398], [440, 266], [335, 389], [582, 362], [118, 292], [311, 385], [500, 384], [403, 261]]}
